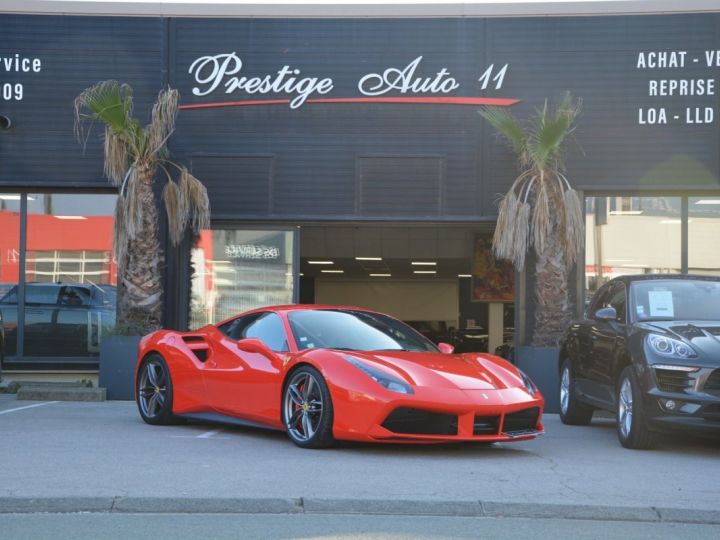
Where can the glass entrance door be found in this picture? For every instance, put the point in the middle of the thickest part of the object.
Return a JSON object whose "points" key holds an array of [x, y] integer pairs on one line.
{"points": [[235, 270]]}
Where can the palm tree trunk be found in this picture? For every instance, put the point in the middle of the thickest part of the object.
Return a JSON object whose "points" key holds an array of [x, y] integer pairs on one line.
{"points": [[140, 280], [552, 309]]}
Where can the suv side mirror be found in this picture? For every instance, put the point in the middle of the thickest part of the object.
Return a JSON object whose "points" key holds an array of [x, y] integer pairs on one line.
{"points": [[254, 345], [446, 348], [606, 314]]}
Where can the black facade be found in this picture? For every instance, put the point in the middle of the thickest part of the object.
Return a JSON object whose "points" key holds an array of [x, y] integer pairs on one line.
{"points": [[317, 136]]}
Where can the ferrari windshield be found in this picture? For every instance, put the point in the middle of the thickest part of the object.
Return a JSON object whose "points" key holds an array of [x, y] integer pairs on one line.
{"points": [[354, 330], [681, 299]]}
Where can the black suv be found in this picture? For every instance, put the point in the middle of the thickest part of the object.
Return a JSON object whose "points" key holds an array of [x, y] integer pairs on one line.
{"points": [[60, 319], [649, 350]]}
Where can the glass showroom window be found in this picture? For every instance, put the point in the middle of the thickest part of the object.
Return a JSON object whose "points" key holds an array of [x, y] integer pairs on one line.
{"points": [[704, 235], [235, 270], [631, 235], [70, 275], [9, 270]]}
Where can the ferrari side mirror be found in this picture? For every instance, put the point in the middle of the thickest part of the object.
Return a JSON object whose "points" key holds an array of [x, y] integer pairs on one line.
{"points": [[446, 348], [254, 345]]}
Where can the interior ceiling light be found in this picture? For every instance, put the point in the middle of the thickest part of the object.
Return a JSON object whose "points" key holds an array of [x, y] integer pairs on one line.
{"points": [[333, 271], [465, 275], [70, 217], [424, 272], [9, 197], [320, 262], [368, 258], [380, 275], [420, 263], [707, 201]]}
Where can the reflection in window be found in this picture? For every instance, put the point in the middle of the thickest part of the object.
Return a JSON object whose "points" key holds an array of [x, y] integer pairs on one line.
{"points": [[704, 235], [70, 274], [238, 270], [9, 268], [631, 235]]}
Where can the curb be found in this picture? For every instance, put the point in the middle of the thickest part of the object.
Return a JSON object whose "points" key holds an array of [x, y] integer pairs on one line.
{"points": [[446, 508]]}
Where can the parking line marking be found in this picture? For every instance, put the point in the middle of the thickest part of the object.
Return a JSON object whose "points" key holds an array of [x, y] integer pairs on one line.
{"points": [[209, 434], [29, 407]]}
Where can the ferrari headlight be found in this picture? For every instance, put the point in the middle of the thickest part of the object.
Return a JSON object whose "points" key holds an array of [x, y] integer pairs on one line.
{"points": [[527, 382], [394, 384], [673, 348]]}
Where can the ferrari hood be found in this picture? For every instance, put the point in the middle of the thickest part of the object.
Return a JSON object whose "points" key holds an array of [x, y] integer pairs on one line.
{"points": [[470, 371]]}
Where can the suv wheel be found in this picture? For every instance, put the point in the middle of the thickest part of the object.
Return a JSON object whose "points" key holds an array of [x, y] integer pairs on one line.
{"points": [[632, 427], [572, 411]]}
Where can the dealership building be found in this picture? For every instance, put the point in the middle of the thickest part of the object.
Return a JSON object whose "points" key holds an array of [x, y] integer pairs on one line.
{"points": [[345, 159]]}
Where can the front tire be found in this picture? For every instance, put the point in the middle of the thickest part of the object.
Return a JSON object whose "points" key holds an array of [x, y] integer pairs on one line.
{"points": [[307, 409], [573, 412], [154, 391], [632, 427]]}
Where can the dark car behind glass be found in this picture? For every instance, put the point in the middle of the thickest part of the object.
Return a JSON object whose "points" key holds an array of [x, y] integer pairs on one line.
{"points": [[649, 350], [60, 319]]}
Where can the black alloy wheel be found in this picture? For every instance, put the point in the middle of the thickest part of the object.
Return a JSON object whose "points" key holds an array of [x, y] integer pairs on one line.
{"points": [[154, 391], [632, 427], [572, 411], [307, 410]]}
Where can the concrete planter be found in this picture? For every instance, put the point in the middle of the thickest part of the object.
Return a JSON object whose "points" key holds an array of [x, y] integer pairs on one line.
{"points": [[118, 355], [541, 365]]}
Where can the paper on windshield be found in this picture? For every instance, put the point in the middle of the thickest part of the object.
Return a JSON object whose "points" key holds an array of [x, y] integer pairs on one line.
{"points": [[661, 304]]}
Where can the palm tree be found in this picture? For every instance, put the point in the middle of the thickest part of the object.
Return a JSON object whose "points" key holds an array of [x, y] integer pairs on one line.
{"points": [[541, 210], [134, 156]]}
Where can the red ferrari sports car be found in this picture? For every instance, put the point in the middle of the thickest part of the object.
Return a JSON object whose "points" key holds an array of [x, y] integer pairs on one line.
{"points": [[325, 373]]}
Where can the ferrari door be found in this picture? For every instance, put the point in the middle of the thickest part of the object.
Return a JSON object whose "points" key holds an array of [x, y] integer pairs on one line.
{"points": [[243, 383]]}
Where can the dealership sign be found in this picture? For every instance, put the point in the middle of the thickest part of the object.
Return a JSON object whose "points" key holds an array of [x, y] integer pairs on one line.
{"points": [[224, 72]]}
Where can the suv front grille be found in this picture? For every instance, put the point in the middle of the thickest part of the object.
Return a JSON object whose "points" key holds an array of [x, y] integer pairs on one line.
{"points": [[712, 384], [410, 421], [673, 381]]}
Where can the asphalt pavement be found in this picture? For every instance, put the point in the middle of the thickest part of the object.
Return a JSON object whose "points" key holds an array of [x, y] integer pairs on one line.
{"points": [[69, 457]]}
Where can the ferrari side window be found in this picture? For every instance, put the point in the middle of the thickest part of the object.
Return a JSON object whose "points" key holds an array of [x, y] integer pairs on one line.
{"points": [[269, 329]]}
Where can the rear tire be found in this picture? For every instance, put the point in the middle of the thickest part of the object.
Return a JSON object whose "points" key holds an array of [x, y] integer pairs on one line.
{"points": [[573, 412], [632, 428], [154, 391], [307, 410]]}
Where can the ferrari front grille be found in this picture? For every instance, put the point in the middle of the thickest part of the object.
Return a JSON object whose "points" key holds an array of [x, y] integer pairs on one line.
{"points": [[673, 381], [486, 425], [409, 421], [521, 421]]}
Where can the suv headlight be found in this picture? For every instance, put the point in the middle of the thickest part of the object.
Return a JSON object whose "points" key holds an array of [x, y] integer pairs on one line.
{"points": [[394, 384], [527, 382], [669, 347]]}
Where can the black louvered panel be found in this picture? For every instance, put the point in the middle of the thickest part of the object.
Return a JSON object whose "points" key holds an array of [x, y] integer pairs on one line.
{"points": [[400, 185], [409, 421], [712, 384], [673, 381], [521, 421], [486, 425], [237, 185]]}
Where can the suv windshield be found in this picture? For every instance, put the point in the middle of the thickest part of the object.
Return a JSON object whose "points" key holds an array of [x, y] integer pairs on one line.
{"points": [[689, 300], [354, 330]]}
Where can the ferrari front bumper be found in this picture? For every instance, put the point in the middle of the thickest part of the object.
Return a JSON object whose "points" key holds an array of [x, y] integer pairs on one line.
{"points": [[438, 415]]}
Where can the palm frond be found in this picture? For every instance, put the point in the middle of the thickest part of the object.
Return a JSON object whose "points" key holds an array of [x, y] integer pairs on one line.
{"points": [[176, 211], [162, 124], [509, 127], [548, 130], [196, 200], [116, 157], [109, 102], [575, 225]]}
